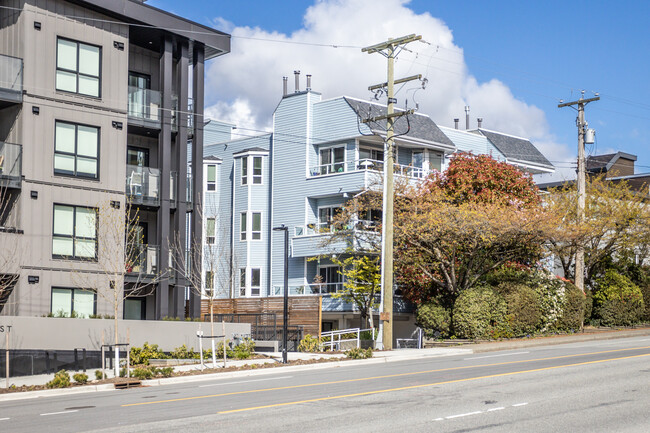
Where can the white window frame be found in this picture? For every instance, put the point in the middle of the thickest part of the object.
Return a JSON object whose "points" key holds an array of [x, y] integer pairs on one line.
{"points": [[208, 182], [256, 235], [331, 166], [209, 239], [256, 290], [244, 170], [329, 222], [246, 229], [243, 226], [242, 287], [257, 178]]}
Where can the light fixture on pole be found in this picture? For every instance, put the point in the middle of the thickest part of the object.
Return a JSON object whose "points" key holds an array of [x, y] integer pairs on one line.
{"points": [[286, 290]]}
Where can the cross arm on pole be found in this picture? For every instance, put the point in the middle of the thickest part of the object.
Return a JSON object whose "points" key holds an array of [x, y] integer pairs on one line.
{"points": [[391, 43], [579, 101], [388, 116], [400, 81]]}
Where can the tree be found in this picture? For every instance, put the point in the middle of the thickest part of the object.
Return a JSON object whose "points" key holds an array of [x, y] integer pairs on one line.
{"points": [[615, 227], [362, 283], [11, 251]]}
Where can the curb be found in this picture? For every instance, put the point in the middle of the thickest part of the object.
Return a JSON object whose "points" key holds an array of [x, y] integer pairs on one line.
{"points": [[55, 392]]}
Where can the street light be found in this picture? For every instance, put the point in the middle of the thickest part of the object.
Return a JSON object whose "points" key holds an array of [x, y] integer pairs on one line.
{"points": [[286, 290]]}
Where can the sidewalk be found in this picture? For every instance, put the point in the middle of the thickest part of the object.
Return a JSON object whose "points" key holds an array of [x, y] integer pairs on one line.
{"points": [[276, 358]]}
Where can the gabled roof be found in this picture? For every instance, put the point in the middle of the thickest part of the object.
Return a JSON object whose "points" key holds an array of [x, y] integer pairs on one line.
{"points": [[517, 148], [421, 126], [251, 149], [212, 158], [604, 163]]}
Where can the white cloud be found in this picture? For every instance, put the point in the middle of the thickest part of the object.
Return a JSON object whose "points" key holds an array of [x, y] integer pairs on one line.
{"points": [[245, 86]]}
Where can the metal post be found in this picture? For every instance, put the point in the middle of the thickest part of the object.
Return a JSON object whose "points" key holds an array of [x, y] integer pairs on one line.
{"points": [[103, 358], [7, 357], [199, 333], [84, 359], [128, 353], [286, 294]]}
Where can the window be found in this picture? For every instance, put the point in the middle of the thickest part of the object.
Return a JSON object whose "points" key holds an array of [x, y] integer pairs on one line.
{"points": [[74, 233], [72, 302], [76, 150], [435, 161], [210, 231], [369, 218], [242, 282], [209, 284], [257, 170], [372, 159], [137, 156], [244, 171], [77, 67], [326, 217], [257, 226], [332, 160], [255, 282], [212, 178], [242, 226], [134, 309], [332, 278]]}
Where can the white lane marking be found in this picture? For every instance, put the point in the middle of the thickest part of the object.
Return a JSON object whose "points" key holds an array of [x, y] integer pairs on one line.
{"points": [[519, 404], [495, 409], [463, 414], [59, 413], [4, 419], [494, 356], [439, 419], [245, 381]]}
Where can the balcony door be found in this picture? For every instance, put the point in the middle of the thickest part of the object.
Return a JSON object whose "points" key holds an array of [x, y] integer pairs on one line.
{"points": [[139, 84], [331, 278], [137, 156]]}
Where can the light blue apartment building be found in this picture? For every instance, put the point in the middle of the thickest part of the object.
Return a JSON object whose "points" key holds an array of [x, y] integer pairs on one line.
{"points": [[318, 155]]}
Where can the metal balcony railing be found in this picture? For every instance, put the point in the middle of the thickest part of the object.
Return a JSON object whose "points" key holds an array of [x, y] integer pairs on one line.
{"points": [[11, 156], [308, 289], [173, 186], [143, 184], [144, 103], [142, 259], [329, 227], [366, 165], [11, 77]]}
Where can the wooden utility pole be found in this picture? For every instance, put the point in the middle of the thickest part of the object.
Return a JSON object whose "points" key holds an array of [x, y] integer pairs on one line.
{"points": [[582, 125], [388, 49]]}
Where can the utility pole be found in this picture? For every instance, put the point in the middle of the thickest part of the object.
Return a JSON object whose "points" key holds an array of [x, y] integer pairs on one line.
{"points": [[582, 127], [388, 49]]}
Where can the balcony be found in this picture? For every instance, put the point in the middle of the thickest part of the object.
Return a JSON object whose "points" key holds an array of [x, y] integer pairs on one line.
{"points": [[172, 189], [11, 80], [361, 165], [144, 107], [142, 261], [10, 165], [143, 185], [308, 289], [311, 240]]}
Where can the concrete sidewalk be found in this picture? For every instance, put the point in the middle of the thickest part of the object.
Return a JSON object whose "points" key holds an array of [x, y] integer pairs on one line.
{"points": [[276, 357]]}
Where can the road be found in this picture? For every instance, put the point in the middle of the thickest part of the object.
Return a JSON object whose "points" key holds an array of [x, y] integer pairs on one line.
{"points": [[598, 386]]}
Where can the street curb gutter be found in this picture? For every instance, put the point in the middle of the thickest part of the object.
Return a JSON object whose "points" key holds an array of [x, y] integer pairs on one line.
{"points": [[55, 392]]}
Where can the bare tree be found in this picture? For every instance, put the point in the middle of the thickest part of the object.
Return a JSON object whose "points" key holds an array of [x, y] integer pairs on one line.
{"points": [[11, 251]]}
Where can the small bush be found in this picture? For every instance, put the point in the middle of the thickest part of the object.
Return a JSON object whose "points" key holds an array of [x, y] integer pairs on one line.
{"points": [[61, 380], [184, 353], [645, 292], [573, 310], [142, 355], [357, 353], [99, 375], [80, 378], [434, 319], [617, 301], [166, 371], [207, 354], [142, 373], [123, 372], [589, 304], [480, 313], [309, 344], [523, 306], [245, 349]]}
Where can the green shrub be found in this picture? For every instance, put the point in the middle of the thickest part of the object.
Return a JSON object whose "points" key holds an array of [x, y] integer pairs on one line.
{"points": [[645, 292], [123, 372], [166, 371], [369, 334], [184, 353], [523, 306], [480, 313], [142, 373], [207, 353], [434, 319], [589, 304], [99, 375], [245, 349], [142, 355], [61, 380], [573, 310], [80, 378], [309, 344], [357, 353], [617, 301]]}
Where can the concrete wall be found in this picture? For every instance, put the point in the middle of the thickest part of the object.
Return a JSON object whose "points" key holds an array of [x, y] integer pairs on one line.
{"points": [[44, 333]]}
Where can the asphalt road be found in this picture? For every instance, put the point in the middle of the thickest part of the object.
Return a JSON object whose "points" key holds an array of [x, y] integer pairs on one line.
{"points": [[595, 386]]}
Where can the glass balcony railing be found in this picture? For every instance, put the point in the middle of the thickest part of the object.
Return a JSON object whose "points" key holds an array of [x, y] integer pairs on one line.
{"points": [[173, 186], [142, 259], [10, 164], [144, 104], [365, 165], [143, 184], [11, 78], [308, 289]]}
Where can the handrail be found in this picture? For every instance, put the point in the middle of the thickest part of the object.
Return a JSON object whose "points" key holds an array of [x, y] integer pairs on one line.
{"points": [[365, 164], [337, 342]]}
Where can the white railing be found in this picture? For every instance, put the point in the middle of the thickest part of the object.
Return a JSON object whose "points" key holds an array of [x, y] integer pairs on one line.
{"points": [[323, 228], [366, 165], [308, 289], [333, 339]]}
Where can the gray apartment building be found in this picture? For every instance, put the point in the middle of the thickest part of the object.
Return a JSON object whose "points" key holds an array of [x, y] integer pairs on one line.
{"points": [[319, 155], [100, 104]]}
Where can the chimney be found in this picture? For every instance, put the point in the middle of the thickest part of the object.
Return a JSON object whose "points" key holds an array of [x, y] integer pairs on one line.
{"points": [[308, 82], [479, 120], [466, 116], [456, 120], [284, 86], [296, 75]]}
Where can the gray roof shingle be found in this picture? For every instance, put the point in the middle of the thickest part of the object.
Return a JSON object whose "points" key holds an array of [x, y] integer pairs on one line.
{"points": [[421, 126], [516, 148]]}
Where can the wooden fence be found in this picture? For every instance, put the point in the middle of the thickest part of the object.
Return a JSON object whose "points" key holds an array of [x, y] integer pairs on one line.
{"points": [[304, 311]]}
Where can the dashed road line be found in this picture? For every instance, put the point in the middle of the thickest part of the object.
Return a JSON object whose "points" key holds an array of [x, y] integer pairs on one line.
{"points": [[59, 413], [495, 356], [245, 381], [494, 409], [519, 404], [4, 419], [463, 414]]}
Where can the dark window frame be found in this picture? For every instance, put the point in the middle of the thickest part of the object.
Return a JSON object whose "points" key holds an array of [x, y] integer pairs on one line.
{"points": [[77, 73], [65, 173], [73, 290], [73, 237]]}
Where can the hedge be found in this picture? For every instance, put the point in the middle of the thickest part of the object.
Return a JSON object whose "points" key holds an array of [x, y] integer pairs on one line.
{"points": [[480, 313], [434, 319], [617, 301]]}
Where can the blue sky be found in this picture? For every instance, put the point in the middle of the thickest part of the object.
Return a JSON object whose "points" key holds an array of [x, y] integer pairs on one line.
{"points": [[539, 52]]}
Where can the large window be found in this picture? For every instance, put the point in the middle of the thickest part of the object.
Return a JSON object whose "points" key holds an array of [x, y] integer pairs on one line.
{"points": [[76, 150], [257, 170], [326, 217], [256, 226], [209, 284], [74, 233], [256, 165], [210, 230], [135, 309], [255, 282], [332, 160], [211, 180], [78, 67], [72, 302]]}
